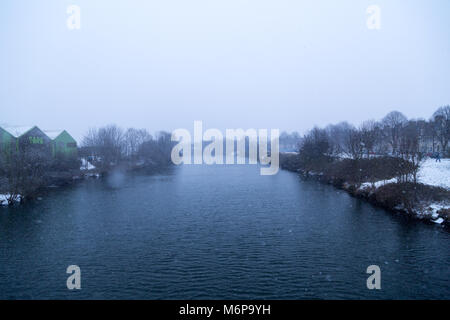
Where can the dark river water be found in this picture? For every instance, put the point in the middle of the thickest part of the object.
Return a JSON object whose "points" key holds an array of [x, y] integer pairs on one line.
{"points": [[216, 232]]}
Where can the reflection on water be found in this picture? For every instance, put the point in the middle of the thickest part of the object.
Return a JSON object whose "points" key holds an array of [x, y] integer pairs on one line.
{"points": [[216, 232]]}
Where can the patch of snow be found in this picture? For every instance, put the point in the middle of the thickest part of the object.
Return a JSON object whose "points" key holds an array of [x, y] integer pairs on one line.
{"points": [[377, 184], [438, 221], [17, 131], [93, 175], [435, 208], [86, 165], [435, 173], [53, 134], [4, 199], [343, 155]]}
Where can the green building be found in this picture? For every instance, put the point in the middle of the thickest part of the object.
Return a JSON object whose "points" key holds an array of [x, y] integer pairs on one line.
{"points": [[7, 142], [63, 144], [21, 139]]}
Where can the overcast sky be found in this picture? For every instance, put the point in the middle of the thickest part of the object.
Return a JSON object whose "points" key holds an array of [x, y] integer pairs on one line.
{"points": [[231, 63]]}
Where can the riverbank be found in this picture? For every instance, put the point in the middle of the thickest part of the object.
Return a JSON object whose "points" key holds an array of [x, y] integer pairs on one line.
{"points": [[376, 181], [222, 232], [53, 180], [57, 179]]}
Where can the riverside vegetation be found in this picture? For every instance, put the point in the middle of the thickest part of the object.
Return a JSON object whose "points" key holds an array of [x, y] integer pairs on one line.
{"points": [[26, 174], [380, 161]]}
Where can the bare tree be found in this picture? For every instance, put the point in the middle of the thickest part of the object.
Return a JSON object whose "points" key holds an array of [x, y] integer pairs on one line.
{"points": [[133, 139], [25, 173], [392, 124], [441, 121], [338, 134], [289, 142], [315, 150], [107, 143], [370, 135], [409, 147], [156, 152], [355, 144]]}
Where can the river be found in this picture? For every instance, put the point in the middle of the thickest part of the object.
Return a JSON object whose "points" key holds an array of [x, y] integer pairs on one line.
{"points": [[216, 232]]}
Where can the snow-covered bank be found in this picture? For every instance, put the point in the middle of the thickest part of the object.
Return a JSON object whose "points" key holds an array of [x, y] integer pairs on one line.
{"points": [[384, 182], [404, 198], [382, 192], [86, 165], [435, 210], [4, 199], [431, 173], [435, 173], [377, 184]]}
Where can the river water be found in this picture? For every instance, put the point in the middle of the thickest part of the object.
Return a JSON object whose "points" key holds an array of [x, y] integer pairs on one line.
{"points": [[216, 232]]}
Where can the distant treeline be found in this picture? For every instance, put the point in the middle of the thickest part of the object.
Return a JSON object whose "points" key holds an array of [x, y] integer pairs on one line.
{"points": [[25, 170], [393, 148], [290, 142], [394, 135], [111, 146], [24, 174]]}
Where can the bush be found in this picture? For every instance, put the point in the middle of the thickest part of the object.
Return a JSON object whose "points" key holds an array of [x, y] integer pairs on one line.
{"points": [[289, 162], [367, 170], [409, 195]]}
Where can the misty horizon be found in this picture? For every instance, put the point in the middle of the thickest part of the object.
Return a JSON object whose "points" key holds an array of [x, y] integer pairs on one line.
{"points": [[227, 158], [159, 66], [154, 132]]}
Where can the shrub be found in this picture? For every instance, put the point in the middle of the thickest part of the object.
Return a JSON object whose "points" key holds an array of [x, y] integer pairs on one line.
{"points": [[409, 195]]}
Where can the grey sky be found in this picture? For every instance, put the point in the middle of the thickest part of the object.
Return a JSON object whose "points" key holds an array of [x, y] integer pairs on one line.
{"points": [[230, 63]]}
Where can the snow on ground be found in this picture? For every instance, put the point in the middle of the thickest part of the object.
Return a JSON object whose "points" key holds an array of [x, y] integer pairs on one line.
{"points": [[435, 173], [86, 165], [438, 221], [4, 199], [431, 172], [436, 207], [377, 184], [344, 155]]}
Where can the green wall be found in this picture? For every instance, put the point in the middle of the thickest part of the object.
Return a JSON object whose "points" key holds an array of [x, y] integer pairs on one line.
{"points": [[7, 142], [64, 144]]}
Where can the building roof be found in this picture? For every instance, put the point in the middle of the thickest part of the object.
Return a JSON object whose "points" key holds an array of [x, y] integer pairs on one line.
{"points": [[17, 131], [53, 134]]}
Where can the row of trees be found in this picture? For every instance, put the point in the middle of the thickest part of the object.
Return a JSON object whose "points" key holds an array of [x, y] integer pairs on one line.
{"points": [[289, 141], [111, 146], [24, 172], [394, 136]]}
